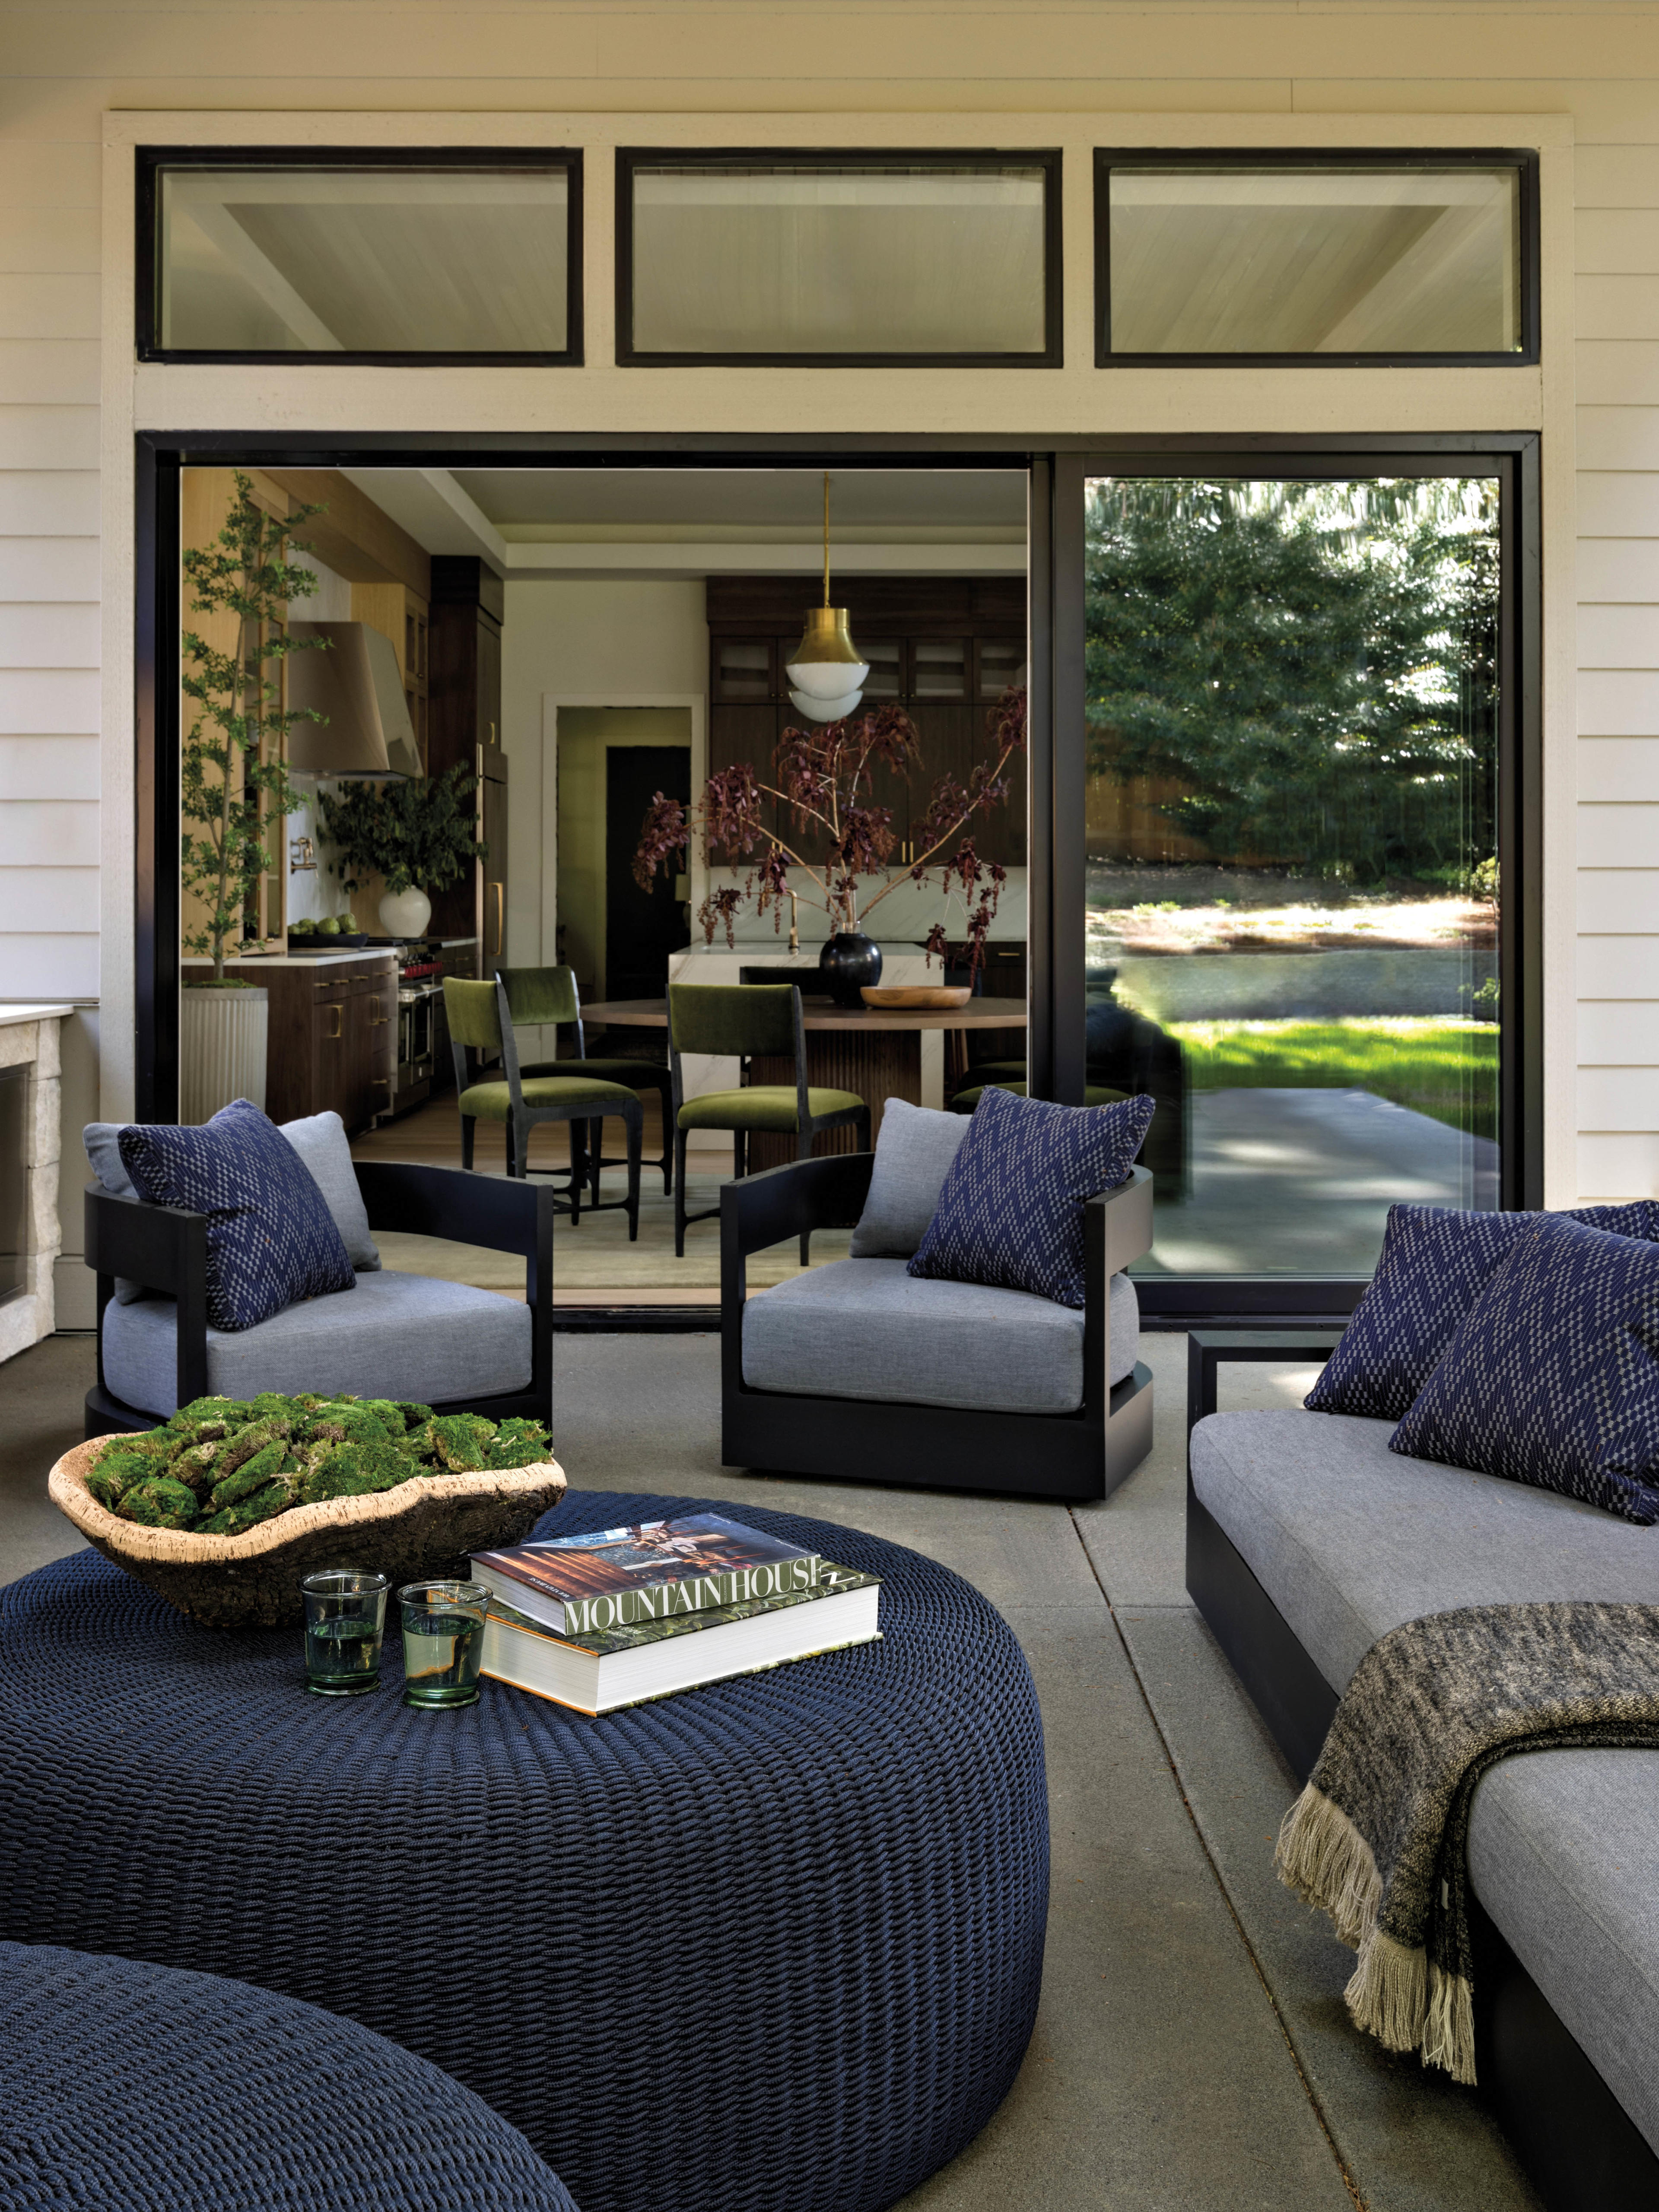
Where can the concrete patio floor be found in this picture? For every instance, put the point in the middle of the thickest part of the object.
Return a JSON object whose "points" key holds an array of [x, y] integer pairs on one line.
{"points": [[1192, 2051]]}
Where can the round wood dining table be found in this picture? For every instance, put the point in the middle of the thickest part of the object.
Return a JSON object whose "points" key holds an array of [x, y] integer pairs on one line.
{"points": [[878, 1053]]}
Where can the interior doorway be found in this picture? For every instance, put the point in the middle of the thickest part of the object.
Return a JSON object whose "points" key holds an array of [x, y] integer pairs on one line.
{"points": [[608, 764]]}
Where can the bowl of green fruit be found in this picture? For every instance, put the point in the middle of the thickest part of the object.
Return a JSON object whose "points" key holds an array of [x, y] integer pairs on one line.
{"points": [[335, 933], [223, 1507]]}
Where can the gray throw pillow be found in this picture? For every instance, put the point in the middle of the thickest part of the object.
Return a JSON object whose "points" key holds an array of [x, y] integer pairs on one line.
{"points": [[914, 1154], [321, 1142]]}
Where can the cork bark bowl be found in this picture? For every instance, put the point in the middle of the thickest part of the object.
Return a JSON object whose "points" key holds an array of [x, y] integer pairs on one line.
{"points": [[427, 1526]]}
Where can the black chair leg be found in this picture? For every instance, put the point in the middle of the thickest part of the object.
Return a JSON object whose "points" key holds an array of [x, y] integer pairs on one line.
{"points": [[468, 1128], [804, 1151], [680, 1193], [666, 1101], [593, 1137], [635, 1122], [578, 1135]]}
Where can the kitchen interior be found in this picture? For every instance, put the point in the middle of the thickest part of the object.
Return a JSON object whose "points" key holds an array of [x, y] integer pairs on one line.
{"points": [[578, 640]]}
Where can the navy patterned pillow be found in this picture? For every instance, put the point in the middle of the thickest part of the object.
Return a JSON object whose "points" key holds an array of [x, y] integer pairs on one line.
{"points": [[1552, 1375], [1434, 1262], [270, 1238], [1010, 1212]]}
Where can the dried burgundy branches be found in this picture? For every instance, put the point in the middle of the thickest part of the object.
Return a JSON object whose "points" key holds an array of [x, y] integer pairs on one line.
{"points": [[825, 784]]}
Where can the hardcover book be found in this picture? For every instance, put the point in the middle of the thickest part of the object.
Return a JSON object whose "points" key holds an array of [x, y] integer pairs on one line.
{"points": [[596, 1672], [654, 1571]]}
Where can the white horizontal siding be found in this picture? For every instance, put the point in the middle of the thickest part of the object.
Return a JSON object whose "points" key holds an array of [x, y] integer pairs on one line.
{"points": [[57, 967], [1618, 836], [1610, 899], [49, 768], [1618, 637], [59, 569], [63, 900], [49, 700], [1612, 1033], [33, 831]]}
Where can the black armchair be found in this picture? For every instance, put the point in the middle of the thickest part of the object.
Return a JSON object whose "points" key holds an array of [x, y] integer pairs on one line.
{"points": [[165, 1249], [1081, 1455]]}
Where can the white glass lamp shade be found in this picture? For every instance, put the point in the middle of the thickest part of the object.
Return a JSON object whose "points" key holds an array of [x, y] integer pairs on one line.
{"points": [[824, 710], [826, 670]]}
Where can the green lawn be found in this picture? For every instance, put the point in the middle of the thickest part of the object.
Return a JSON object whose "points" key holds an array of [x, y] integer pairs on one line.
{"points": [[1447, 1067]]}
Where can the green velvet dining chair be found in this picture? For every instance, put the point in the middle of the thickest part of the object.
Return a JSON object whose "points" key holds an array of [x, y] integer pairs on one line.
{"points": [[550, 998], [743, 1022], [481, 1031]]}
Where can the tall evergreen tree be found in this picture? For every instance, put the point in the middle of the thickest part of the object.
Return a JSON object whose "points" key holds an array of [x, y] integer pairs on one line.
{"points": [[1314, 665]]}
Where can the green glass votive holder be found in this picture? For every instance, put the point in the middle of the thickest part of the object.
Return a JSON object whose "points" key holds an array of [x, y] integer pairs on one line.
{"points": [[443, 1642], [345, 1620]]}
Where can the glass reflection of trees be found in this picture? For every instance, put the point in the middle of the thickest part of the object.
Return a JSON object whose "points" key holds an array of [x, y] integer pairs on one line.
{"points": [[1306, 671]]}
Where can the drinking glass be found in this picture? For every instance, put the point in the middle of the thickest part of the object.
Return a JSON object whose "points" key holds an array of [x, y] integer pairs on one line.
{"points": [[345, 1619], [443, 1642]]}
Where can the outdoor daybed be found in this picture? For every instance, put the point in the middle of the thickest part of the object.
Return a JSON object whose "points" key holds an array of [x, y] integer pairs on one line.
{"points": [[1306, 1540]]}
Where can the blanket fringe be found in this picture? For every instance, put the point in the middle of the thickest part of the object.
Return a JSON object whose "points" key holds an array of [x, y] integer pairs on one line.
{"points": [[1388, 1995], [1448, 2031], [1323, 1857]]}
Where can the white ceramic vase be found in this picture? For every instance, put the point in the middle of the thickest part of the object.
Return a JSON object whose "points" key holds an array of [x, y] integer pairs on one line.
{"points": [[222, 1051], [406, 913]]}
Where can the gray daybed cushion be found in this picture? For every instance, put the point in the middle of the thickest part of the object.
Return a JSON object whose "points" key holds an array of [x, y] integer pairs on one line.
{"points": [[914, 1154], [393, 1336], [1349, 1539], [321, 1142], [867, 1328], [1563, 1853]]}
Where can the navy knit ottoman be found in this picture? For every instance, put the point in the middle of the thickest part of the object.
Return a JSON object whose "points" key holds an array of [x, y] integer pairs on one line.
{"points": [[125, 2088], [773, 1945]]}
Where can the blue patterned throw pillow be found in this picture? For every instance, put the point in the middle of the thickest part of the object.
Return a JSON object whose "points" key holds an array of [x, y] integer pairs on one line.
{"points": [[1010, 1212], [1434, 1262], [1552, 1375], [270, 1238]]}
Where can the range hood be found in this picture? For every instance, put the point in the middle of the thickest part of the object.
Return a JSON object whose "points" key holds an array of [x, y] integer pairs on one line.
{"points": [[356, 686]]}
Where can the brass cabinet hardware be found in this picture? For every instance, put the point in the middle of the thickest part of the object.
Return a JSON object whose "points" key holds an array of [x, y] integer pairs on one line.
{"points": [[338, 1012], [501, 902]]}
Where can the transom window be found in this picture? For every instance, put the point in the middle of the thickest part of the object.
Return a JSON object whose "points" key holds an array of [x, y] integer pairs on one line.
{"points": [[849, 260], [1280, 257], [360, 255]]}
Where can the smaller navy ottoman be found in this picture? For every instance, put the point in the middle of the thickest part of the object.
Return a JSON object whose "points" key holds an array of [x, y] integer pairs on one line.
{"points": [[126, 2086]]}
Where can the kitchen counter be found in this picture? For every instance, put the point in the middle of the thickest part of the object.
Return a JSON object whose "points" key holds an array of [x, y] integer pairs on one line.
{"points": [[246, 964]]}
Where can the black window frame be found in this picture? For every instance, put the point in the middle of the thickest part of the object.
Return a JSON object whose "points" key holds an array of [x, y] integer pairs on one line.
{"points": [[1523, 159], [630, 159], [153, 160]]}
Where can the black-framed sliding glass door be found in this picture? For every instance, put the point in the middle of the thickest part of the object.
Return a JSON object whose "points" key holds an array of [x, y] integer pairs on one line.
{"points": [[1294, 728]]}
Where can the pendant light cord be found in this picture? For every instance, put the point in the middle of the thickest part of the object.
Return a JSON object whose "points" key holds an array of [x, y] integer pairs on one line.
{"points": [[826, 537]]}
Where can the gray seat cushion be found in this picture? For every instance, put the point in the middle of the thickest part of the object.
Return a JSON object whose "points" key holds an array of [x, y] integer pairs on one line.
{"points": [[1563, 1853], [392, 1336], [867, 1328], [1349, 1539]]}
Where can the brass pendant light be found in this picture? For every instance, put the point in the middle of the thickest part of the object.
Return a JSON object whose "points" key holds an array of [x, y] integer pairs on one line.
{"points": [[826, 670]]}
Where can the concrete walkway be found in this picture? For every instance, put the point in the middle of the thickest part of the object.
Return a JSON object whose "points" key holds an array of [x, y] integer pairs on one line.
{"points": [[1191, 2052]]}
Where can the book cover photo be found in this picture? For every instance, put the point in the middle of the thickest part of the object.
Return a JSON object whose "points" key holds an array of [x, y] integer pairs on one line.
{"points": [[649, 1571]]}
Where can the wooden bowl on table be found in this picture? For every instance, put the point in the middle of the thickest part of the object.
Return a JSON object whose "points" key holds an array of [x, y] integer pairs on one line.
{"points": [[934, 996], [426, 1527]]}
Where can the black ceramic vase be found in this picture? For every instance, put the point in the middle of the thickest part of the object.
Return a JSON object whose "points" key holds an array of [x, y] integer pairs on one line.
{"points": [[848, 963]]}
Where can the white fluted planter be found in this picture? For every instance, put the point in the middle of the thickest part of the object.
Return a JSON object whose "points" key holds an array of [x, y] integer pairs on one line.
{"points": [[406, 913], [221, 1050]]}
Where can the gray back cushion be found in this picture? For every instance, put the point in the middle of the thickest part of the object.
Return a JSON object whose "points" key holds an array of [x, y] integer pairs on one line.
{"points": [[914, 1153], [321, 1142]]}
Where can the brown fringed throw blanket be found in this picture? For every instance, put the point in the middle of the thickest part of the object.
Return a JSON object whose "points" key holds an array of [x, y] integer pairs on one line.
{"points": [[1378, 1838]]}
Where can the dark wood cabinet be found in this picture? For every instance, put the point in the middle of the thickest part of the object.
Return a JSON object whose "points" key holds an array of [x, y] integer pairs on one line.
{"points": [[944, 650], [332, 1040], [464, 726]]}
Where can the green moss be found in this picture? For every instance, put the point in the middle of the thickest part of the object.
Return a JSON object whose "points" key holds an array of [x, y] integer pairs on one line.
{"points": [[390, 1417], [458, 1442], [519, 1442], [247, 1442], [415, 1416], [247, 1512], [216, 1407], [250, 1474], [118, 1469], [354, 1470], [159, 1502], [343, 1425]]}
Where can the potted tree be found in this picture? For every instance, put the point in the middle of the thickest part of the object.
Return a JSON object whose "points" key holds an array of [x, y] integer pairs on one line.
{"points": [[824, 778], [417, 833], [233, 783]]}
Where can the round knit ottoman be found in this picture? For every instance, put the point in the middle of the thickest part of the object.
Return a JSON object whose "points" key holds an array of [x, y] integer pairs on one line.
{"points": [[137, 2086], [772, 1945]]}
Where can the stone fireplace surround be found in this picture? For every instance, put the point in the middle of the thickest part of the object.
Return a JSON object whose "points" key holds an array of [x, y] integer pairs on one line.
{"points": [[30, 1037]]}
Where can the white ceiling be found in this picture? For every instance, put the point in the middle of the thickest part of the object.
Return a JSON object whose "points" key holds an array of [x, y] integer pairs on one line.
{"points": [[678, 522]]}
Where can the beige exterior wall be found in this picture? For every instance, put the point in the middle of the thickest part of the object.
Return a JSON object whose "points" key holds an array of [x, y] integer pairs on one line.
{"points": [[1583, 80]]}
